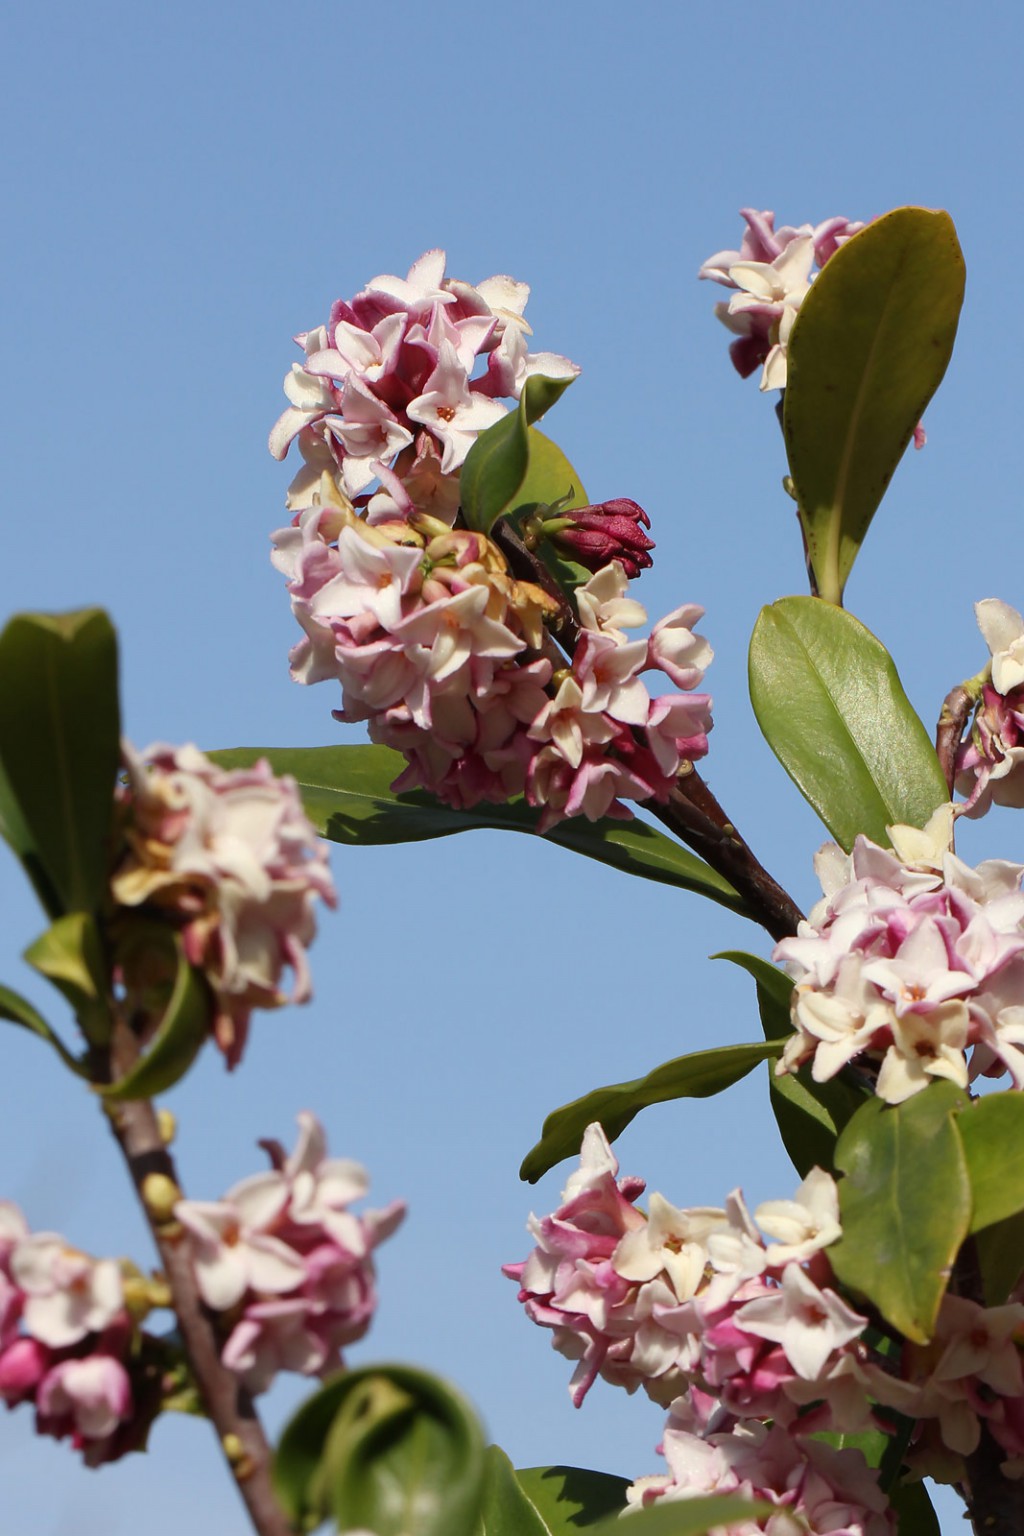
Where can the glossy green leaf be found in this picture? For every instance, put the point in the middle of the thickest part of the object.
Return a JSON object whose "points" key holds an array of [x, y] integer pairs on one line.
{"points": [[992, 1132], [507, 1511], [1000, 1251], [347, 795], [697, 1076], [550, 477], [832, 708], [571, 1498], [18, 1010], [389, 1449], [496, 466], [914, 1511], [809, 1115], [179, 1037], [687, 1517], [70, 955], [59, 751], [905, 1205], [870, 344]]}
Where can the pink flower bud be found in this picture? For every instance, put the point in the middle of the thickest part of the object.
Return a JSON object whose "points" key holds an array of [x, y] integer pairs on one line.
{"points": [[23, 1365], [611, 530]]}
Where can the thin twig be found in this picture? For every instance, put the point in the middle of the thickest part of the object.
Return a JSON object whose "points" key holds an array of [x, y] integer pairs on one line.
{"points": [[692, 814], [229, 1406]]}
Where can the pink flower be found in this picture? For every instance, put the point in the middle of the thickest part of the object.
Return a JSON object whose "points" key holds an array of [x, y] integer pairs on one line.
{"points": [[88, 1398], [67, 1294]]}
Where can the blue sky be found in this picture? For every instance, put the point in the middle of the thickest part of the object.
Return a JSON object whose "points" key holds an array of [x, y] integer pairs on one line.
{"points": [[186, 187]]}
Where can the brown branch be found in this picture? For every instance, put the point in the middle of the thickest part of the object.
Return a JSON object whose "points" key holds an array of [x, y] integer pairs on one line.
{"points": [[956, 710], [228, 1404], [692, 814]]}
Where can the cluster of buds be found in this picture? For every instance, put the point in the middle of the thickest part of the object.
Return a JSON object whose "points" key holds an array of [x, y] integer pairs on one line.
{"points": [[770, 273], [594, 536], [911, 959], [387, 384], [69, 1344], [230, 860], [286, 1261], [990, 762]]}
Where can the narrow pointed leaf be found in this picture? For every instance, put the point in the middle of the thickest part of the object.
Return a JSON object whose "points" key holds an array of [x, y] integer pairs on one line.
{"points": [[18, 1010], [992, 1132], [549, 477], [809, 1115], [388, 1449], [905, 1205], [507, 1511], [697, 1076], [915, 1514], [178, 1039], [870, 344], [347, 795], [571, 1498], [70, 955], [832, 708], [59, 751], [497, 464]]}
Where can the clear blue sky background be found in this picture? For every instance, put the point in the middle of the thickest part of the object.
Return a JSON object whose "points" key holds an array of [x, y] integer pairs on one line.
{"points": [[184, 188]]}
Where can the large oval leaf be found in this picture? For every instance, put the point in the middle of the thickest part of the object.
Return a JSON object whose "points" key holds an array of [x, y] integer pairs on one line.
{"points": [[549, 477], [905, 1205], [568, 1498], [389, 1449], [348, 796], [809, 1115], [992, 1132], [690, 1516], [697, 1076], [829, 701], [59, 752], [868, 349]]}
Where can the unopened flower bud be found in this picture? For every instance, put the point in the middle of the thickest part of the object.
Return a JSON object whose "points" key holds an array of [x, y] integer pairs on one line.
{"points": [[167, 1125], [611, 530], [161, 1195]]}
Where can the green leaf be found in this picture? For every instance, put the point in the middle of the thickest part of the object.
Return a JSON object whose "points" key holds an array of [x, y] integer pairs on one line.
{"points": [[549, 477], [870, 344], [347, 795], [832, 708], [507, 1511], [688, 1517], [1000, 1251], [992, 1132], [497, 464], [18, 1010], [905, 1205], [569, 1498], [388, 1448], [697, 1076], [59, 752], [70, 955], [809, 1115], [915, 1514], [177, 1041]]}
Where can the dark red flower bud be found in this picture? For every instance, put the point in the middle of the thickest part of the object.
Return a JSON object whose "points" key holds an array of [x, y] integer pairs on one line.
{"points": [[611, 530]]}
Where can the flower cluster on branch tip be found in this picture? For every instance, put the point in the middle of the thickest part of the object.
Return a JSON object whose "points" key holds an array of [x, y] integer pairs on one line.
{"points": [[286, 1262], [990, 760], [229, 859], [911, 959], [436, 644], [769, 275]]}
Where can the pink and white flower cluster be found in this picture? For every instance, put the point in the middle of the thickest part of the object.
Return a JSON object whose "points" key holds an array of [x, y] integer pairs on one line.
{"points": [[388, 383], [911, 959], [770, 274], [287, 1260], [65, 1338], [810, 1486], [990, 762], [698, 1304], [447, 658], [231, 859]]}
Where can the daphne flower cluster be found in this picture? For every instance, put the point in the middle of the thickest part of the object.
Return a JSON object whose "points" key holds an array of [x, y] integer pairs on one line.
{"points": [[447, 658], [287, 1261], [388, 383], [770, 274], [231, 860], [990, 762], [65, 1340], [911, 959], [690, 1302]]}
